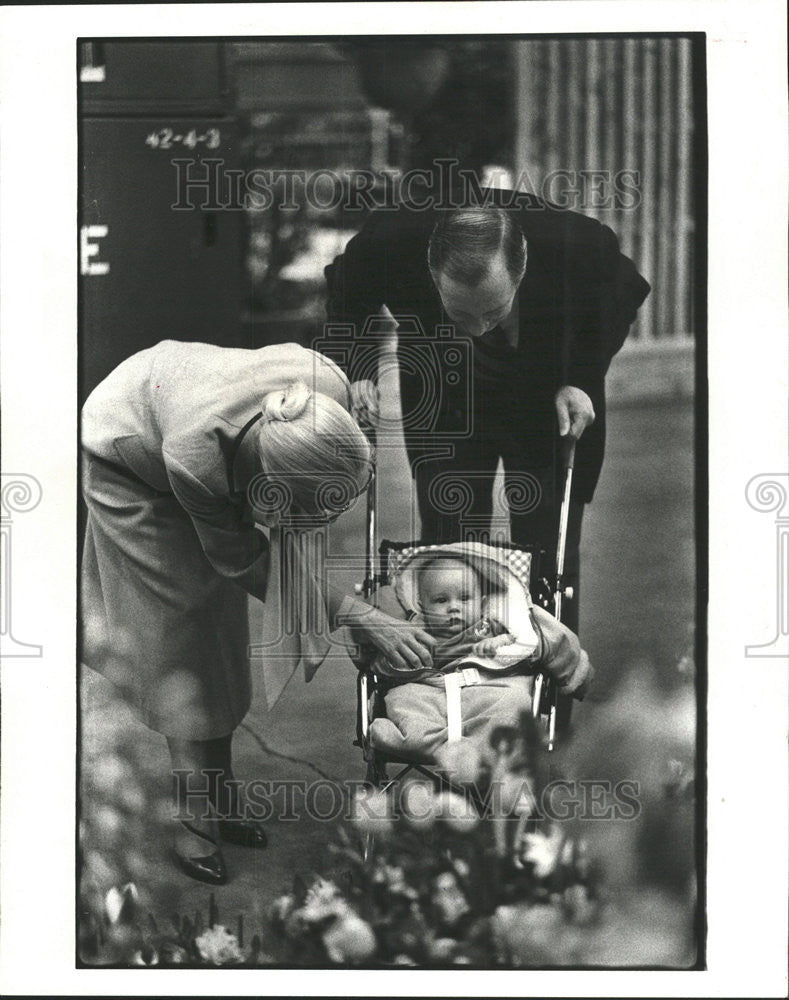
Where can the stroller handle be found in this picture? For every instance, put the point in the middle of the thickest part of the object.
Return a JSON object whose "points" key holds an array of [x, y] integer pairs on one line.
{"points": [[544, 689], [568, 444], [569, 462], [369, 586]]}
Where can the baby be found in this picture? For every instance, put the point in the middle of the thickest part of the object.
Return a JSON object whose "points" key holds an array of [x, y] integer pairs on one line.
{"points": [[461, 608], [455, 610]]}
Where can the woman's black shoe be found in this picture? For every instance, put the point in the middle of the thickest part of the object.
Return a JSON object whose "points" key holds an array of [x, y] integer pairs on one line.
{"points": [[244, 832], [209, 867]]}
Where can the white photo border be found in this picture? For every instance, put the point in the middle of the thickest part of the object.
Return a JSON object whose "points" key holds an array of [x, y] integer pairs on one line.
{"points": [[747, 716]]}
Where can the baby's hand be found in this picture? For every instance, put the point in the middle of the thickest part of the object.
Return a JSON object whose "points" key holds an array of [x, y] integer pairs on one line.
{"points": [[488, 647]]}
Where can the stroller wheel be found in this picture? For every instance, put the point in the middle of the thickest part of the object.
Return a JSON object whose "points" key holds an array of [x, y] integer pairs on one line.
{"points": [[378, 779]]}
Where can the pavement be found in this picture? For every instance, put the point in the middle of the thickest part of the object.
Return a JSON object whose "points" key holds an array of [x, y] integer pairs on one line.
{"points": [[638, 561]]}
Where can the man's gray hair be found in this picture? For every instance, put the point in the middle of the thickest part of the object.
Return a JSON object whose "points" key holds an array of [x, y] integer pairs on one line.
{"points": [[465, 241]]}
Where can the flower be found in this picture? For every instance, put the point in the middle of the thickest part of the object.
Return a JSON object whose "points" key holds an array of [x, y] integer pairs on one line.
{"points": [[371, 812], [219, 946], [419, 804], [171, 953], [403, 960], [457, 813], [323, 902], [349, 939], [146, 955], [321, 891], [393, 878], [323, 899], [281, 909], [441, 949], [460, 761], [542, 851], [120, 904], [448, 900], [461, 867]]}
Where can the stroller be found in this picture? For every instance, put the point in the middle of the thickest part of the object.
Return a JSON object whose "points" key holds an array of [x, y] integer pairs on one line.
{"points": [[397, 563]]}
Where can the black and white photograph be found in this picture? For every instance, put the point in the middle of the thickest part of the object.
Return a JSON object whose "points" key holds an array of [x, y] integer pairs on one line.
{"points": [[394, 575]]}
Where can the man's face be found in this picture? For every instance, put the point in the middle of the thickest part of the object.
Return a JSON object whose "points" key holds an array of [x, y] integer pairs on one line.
{"points": [[450, 596], [477, 310]]}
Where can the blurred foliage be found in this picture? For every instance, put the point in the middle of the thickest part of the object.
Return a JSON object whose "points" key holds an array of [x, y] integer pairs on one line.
{"points": [[121, 933], [126, 806], [445, 887], [481, 875]]}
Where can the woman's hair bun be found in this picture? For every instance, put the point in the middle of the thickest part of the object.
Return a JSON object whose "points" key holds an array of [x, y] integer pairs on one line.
{"points": [[286, 404]]}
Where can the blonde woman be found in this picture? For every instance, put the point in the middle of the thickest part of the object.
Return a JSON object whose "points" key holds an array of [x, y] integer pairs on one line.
{"points": [[186, 447]]}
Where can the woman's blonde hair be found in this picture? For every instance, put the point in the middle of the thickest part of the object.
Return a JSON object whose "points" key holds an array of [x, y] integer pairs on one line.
{"points": [[312, 449]]}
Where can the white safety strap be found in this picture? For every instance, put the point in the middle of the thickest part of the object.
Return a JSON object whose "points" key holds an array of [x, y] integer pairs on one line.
{"points": [[470, 676], [452, 685]]}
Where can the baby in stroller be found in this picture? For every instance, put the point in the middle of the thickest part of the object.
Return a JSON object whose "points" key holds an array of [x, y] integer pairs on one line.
{"points": [[491, 641]]}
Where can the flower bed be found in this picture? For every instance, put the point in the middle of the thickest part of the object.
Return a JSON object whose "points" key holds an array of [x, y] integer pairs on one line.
{"points": [[500, 874]]}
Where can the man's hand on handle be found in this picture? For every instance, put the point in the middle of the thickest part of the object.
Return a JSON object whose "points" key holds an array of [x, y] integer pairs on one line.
{"points": [[364, 394], [574, 411]]}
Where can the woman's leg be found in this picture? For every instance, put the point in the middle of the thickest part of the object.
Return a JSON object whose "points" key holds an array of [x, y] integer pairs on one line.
{"points": [[197, 767], [203, 773], [201, 769]]}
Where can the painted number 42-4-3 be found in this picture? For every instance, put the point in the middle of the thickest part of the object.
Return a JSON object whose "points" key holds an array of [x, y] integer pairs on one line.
{"points": [[166, 138]]}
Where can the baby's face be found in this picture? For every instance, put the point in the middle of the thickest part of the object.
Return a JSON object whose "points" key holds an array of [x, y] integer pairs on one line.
{"points": [[450, 596]]}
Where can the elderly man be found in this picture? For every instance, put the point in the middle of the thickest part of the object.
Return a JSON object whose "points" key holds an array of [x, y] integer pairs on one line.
{"points": [[545, 299]]}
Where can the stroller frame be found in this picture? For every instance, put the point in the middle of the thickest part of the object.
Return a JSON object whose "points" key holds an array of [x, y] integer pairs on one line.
{"points": [[548, 594]]}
